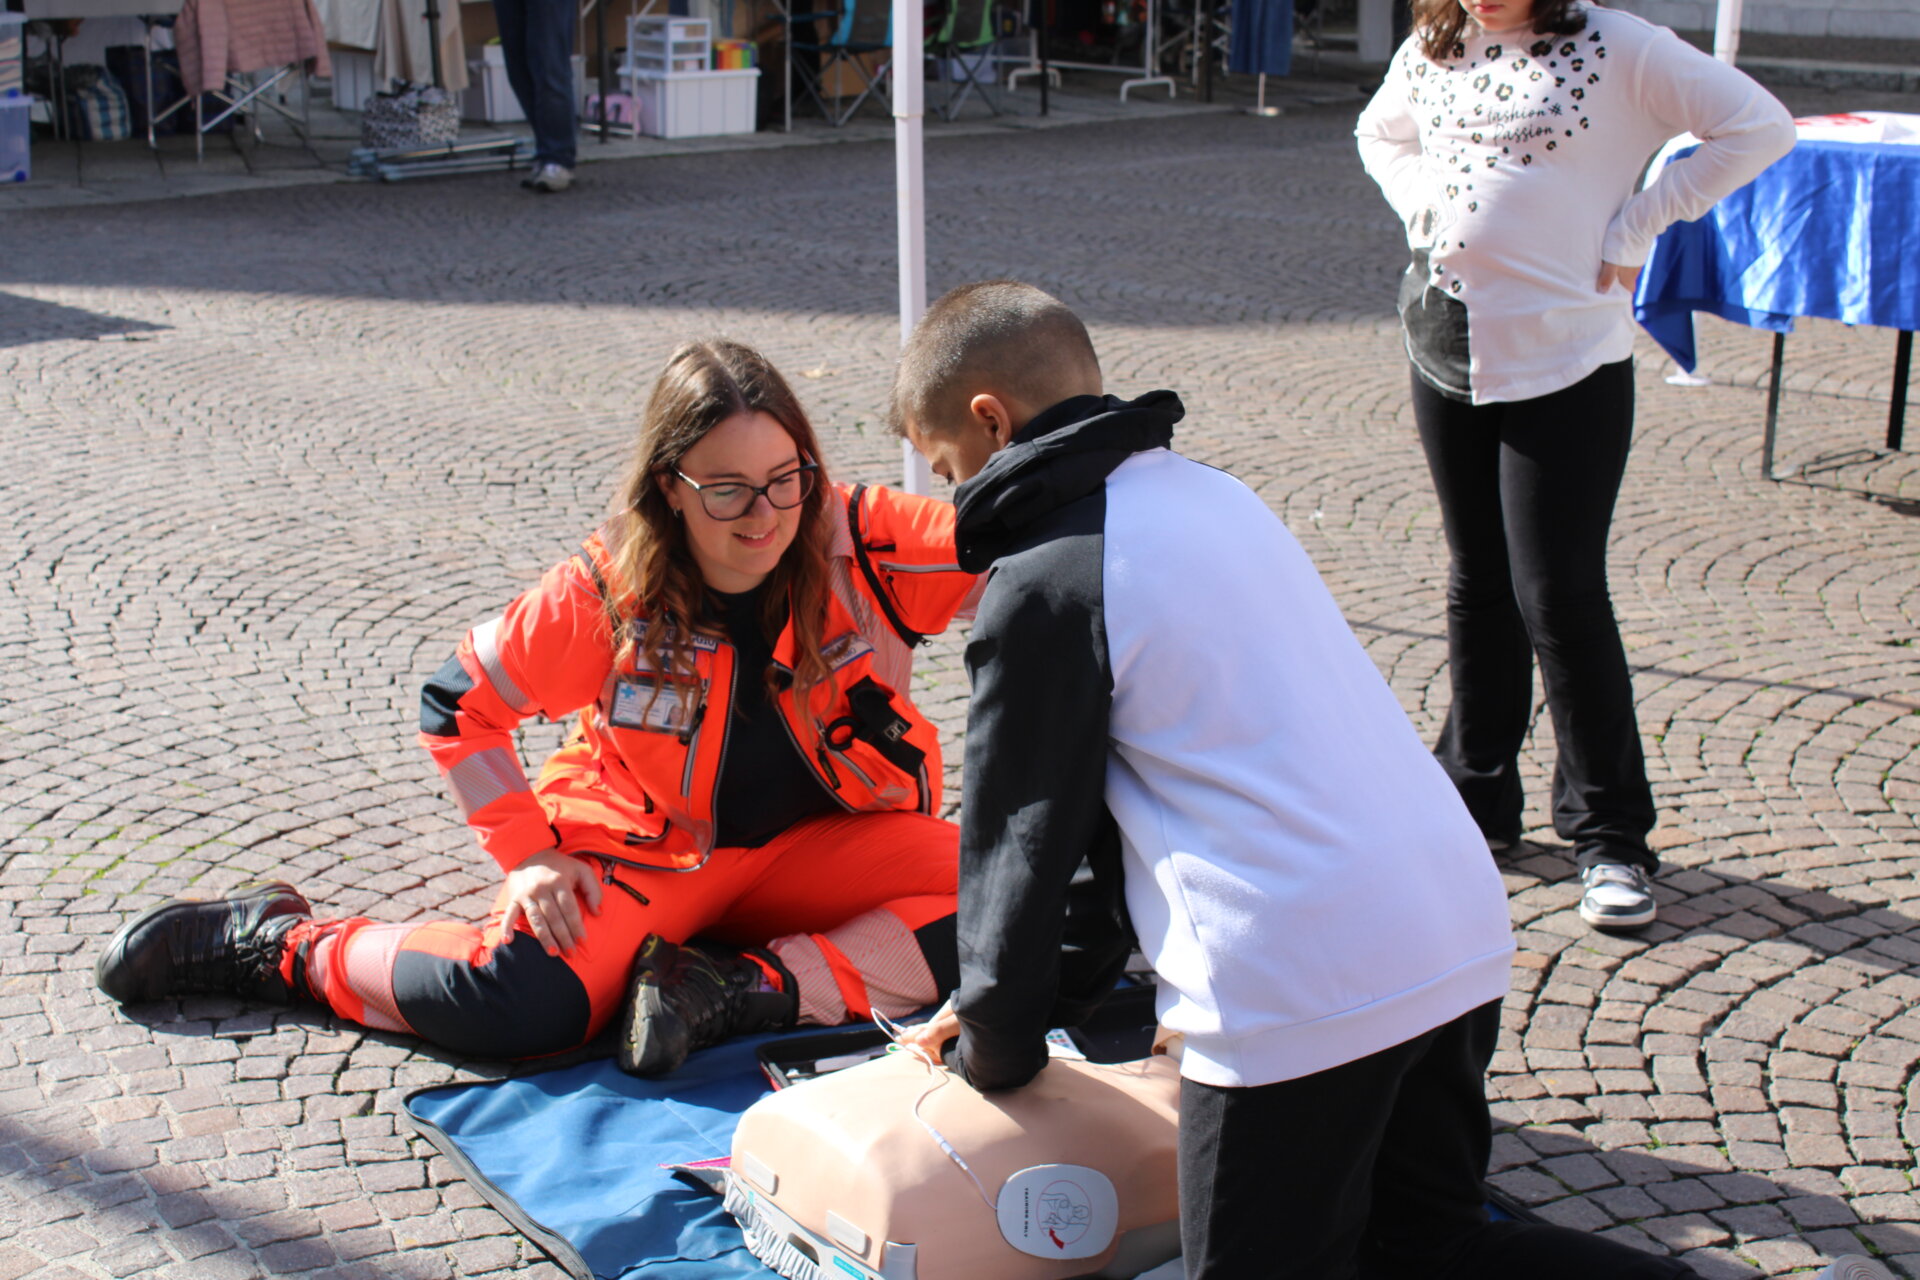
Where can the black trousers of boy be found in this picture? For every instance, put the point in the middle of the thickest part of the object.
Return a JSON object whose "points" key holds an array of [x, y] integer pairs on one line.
{"points": [[1371, 1170], [1526, 491]]}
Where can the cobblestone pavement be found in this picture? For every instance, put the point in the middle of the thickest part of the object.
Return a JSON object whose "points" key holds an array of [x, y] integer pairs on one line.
{"points": [[266, 456]]}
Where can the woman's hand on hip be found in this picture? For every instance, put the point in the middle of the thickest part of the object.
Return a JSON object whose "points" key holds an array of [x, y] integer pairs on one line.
{"points": [[546, 891], [1612, 273]]}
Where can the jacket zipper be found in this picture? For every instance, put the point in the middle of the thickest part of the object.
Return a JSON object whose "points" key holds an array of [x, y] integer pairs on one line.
{"points": [[859, 773], [606, 878], [820, 748], [693, 749], [720, 767]]}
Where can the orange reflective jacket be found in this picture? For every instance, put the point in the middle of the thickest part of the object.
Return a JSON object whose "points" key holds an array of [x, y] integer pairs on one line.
{"points": [[636, 782]]}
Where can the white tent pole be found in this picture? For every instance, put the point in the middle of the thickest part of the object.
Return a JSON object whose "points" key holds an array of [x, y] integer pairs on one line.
{"points": [[909, 103], [1726, 31]]}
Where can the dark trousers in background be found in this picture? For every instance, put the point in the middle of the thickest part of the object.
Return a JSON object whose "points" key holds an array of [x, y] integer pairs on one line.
{"points": [[1526, 492], [1370, 1171], [536, 42]]}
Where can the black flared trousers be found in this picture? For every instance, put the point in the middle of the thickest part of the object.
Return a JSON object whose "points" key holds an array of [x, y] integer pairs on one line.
{"points": [[1527, 491]]}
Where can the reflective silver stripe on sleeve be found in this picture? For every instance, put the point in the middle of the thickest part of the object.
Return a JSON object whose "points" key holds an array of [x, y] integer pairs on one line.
{"points": [[486, 647], [484, 777]]}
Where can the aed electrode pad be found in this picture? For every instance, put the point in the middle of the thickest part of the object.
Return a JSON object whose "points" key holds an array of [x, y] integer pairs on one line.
{"points": [[1059, 1211]]}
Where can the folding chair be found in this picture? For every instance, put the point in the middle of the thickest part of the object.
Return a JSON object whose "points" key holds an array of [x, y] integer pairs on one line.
{"points": [[1309, 19], [964, 44], [865, 26]]}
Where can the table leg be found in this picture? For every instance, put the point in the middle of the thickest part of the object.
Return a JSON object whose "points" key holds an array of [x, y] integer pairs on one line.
{"points": [[1773, 406], [1902, 365], [146, 55], [61, 122]]}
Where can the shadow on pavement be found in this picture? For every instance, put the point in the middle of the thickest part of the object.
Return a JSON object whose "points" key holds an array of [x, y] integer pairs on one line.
{"points": [[28, 320]]}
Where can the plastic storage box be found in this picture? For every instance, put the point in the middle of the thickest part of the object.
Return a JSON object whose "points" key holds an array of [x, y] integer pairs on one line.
{"points": [[489, 97], [16, 133], [659, 45], [695, 104], [352, 77]]}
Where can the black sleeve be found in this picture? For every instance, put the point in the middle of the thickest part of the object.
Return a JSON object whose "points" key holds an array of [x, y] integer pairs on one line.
{"points": [[1042, 935]]}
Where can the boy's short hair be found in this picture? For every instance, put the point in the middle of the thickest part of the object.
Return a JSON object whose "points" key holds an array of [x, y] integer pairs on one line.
{"points": [[998, 335]]}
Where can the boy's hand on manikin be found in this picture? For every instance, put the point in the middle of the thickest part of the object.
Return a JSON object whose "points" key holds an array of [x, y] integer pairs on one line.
{"points": [[928, 1038]]}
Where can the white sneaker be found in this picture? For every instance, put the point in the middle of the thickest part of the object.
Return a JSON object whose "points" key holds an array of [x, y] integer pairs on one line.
{"points": [[1853, 1267], [1617, 897], [549, 178]]}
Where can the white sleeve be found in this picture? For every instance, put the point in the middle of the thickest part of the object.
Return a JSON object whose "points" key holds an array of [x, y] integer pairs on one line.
{"points": [[1742, 128], [1390, 152]]}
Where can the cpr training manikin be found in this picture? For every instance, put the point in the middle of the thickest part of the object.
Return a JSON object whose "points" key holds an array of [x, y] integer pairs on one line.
{"points": [[896, 1169]]}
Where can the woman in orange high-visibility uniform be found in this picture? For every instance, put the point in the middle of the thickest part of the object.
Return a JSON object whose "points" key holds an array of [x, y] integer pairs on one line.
{"points": [[744, 768]]}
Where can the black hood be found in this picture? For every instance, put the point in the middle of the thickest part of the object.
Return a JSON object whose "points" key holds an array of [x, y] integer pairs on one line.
{"points": [[1061, 456]]}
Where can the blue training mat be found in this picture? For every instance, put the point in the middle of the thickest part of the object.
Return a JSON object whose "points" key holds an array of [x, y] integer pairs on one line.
{"points": [[571, 1157]]}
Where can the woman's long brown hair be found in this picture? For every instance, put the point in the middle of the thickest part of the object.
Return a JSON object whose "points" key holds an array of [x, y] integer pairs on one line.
{"points": [[657, 606], [1441, 25]]}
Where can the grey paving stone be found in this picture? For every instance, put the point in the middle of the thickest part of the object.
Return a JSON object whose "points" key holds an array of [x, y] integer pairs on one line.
{"points": [[352, 420]]}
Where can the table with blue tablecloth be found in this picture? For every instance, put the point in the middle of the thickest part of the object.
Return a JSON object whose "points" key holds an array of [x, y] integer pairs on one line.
{"points": [[1832, 230]]}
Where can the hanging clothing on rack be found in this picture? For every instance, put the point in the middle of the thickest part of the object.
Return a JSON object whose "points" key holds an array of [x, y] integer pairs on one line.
{"points": [[218, 37]]}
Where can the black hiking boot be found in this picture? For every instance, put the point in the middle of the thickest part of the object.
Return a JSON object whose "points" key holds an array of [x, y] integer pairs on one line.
{"points": [[687, 997], [229, 946]]}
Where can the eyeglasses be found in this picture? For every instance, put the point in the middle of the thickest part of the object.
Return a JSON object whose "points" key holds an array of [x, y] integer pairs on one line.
{"points": [[731, 500]]}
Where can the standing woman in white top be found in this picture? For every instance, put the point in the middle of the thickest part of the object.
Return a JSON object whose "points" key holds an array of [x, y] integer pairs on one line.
{"points": [[1509, 136]]}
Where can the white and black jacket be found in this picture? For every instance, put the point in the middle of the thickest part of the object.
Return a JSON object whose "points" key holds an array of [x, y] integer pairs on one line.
{"points": [[1175, 736]]}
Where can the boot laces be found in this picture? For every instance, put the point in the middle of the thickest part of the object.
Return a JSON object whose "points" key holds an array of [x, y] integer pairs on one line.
{"points": [[211, 954], [712, 991], [201, 946]]}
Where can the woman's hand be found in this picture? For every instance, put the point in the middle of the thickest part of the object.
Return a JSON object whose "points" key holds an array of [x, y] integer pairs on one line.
{"points": [[931, 1035], [1612, 273], [546, 891]]}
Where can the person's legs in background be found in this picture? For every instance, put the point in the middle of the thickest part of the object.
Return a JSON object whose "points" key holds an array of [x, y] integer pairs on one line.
{"points": [[1489, 654], [511, 17], [1562, 457], [551, 26]]}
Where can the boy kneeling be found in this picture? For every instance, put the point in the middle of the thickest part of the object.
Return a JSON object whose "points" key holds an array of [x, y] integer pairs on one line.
{"points": [[1167, 701]]}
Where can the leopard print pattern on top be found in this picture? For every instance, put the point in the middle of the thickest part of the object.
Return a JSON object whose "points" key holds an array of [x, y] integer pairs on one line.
{"points": [[1508, 103]]}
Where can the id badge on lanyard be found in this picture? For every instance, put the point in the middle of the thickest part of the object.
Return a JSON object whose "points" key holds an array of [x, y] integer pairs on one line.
{"points": [[654, 705]]}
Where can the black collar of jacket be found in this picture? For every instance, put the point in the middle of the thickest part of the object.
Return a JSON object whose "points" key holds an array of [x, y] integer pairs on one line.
{"points": [[1065, 453]]}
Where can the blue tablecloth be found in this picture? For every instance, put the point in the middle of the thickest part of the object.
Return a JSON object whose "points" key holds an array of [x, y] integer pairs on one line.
{"points": [[1831, 230]]}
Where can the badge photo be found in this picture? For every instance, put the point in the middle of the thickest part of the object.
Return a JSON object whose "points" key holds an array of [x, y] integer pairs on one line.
{"points": [[644, 702]]}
